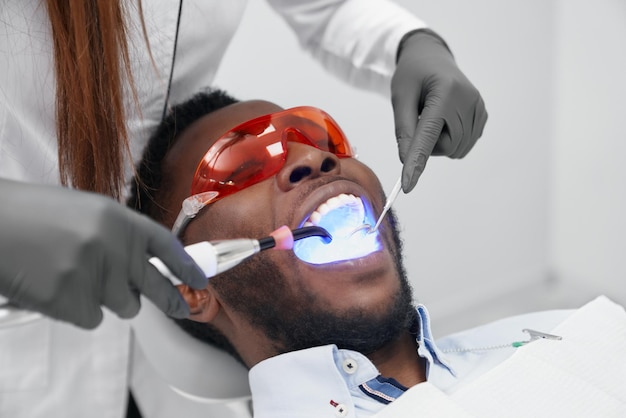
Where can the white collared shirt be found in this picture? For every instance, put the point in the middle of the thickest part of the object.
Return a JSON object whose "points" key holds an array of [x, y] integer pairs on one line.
{"points": [[327, 381]]}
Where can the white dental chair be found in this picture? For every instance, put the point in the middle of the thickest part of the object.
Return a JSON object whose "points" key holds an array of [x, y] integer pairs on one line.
{"points": [[174, 374]]}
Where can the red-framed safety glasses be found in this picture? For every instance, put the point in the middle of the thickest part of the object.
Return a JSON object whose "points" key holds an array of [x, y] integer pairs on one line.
{"points": [[255, 151]]}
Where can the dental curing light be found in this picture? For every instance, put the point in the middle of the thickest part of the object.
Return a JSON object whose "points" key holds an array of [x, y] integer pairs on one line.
{"points": [[217, 256]]}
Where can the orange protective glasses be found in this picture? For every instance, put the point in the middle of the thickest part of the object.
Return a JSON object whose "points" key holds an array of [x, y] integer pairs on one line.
{"points": [[255, 151]]}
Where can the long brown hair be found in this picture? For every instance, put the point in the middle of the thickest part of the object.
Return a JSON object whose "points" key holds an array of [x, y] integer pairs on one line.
{"points": [[91, 64]]}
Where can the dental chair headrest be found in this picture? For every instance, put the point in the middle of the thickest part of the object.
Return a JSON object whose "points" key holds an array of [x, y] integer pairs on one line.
{"points": [[193, 368]]}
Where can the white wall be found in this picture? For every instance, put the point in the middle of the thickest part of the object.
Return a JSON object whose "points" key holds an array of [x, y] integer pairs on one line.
{"points": [[478, 227], [483, 227], [589, 212]]}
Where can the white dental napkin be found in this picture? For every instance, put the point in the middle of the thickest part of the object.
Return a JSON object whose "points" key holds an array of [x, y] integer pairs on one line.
{"points": [[582, 375]]}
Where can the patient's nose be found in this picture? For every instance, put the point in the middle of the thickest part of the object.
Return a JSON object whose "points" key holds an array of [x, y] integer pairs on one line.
{"points": [[306, 162]]}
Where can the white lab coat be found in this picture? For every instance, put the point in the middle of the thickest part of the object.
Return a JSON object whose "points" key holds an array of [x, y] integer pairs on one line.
{"points": [[52, 369]]}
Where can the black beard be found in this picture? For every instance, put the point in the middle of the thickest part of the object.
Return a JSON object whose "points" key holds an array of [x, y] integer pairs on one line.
{"points": [[259, 290]]}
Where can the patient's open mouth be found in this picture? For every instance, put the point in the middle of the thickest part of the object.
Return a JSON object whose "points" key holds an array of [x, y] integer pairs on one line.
{"points": [[340, 215]]}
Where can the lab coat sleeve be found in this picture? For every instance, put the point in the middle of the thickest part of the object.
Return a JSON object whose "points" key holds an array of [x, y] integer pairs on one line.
{"points": [[356, 40]]}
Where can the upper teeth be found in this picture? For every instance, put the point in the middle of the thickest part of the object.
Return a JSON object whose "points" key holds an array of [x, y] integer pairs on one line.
{"points": [[334, 203]]}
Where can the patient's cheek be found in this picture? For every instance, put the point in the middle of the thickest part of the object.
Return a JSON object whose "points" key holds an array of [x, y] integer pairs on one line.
{"points": [[196, 299]]}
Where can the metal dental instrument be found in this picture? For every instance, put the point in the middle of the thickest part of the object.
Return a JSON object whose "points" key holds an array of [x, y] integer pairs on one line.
{"points": [[218, 256], [390, 199]]}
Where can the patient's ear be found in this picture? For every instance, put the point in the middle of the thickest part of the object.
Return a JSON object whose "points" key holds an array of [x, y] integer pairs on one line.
{"points": [[203, 305]]}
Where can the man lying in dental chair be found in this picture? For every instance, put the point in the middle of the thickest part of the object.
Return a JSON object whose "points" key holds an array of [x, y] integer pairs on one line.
{"points": [[332, 329]]}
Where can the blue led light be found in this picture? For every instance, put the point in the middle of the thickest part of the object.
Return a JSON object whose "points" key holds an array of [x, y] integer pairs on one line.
{"points": [[340, 223]]}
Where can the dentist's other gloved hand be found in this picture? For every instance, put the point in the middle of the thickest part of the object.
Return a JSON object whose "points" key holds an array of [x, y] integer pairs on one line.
{"points": [[66, 253], [452, 114]]}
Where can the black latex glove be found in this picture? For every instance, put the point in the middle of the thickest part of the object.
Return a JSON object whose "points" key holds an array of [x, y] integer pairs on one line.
{"points": [[452, 114], [65, 253]]}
